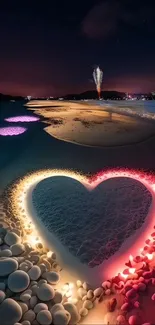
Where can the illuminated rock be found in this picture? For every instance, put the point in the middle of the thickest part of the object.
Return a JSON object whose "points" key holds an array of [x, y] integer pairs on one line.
{"points": [[88, 304], [10, 310], [11, 238], [34, 273], [51, 277], [39, 307], [33, 301], [29, 315], [83, 312], [72, 309], [56, 308], [7, 266], [45, 292], [44, 317], [5, 253], [58, 297], [18, 281], [17, 249], [63, 317]]}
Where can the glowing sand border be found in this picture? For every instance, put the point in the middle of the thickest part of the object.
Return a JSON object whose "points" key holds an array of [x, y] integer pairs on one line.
{"points": [[133, 246]]}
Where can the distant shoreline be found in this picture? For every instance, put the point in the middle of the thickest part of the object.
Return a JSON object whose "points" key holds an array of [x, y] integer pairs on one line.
{"points": [[93, 126]]}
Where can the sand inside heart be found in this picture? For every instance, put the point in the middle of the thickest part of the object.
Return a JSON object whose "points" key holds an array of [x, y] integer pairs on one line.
{"points": [[91, 224]]}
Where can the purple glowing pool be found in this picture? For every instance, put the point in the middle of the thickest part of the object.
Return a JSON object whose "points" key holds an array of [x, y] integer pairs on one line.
{"points": [[22, 118], [11, 131]]}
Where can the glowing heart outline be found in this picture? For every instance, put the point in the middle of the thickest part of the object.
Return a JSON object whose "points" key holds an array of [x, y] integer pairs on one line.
{"points": [[112, 266]]}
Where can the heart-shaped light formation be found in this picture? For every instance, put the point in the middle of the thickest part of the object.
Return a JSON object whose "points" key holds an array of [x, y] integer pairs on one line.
{"points": [[92, 224], [25, 184], [142, 251]]}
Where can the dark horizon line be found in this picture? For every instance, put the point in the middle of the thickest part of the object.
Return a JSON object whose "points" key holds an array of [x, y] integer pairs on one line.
{"points": [[72, 94]]}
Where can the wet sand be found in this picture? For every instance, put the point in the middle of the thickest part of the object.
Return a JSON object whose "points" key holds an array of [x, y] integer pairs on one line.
{"points": [[91, 125]]}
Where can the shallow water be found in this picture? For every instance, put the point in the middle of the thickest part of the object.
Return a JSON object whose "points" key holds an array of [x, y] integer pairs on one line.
{"points": [[36, 149]]}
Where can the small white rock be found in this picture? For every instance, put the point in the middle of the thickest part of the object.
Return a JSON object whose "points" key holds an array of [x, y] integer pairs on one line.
{"points": [[7, 266], [79, 283], [39, 307], [90, 294], [58, 297], [81, 292], [25, 297], [98, 292], [23, 306], [33, 301], [62, 317], [29, 291], [26, 322], [43, 268], [29, 315], [45, 292], [56, 307], [17, 249], [83, 312], [11, 238], [6, 253], [51, 277], [18, 281], [88, 304], [34, 289], [86, 286], [41, 281], [24, 267], [72, 309], [10, 310], [44, 317], [34, 273], [84, 298]]}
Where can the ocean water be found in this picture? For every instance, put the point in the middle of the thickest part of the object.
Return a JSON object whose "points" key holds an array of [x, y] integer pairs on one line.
{"points": [[137, 106], [35, 149]]}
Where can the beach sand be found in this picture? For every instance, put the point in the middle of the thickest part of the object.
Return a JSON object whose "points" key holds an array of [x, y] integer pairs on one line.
{"points": [[43, 151], [91, 125]]}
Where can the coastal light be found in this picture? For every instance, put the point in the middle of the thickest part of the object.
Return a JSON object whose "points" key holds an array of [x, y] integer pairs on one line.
{"points": [[33, 240], [132, 270], [22, 118], [149, 256], [12, 131]]}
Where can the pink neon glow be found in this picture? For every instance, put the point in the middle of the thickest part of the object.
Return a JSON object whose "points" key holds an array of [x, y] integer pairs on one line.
{"points": [[135, 244], [149, 256], [23, 118], [132, 270], [116, 265], [11, 131]]}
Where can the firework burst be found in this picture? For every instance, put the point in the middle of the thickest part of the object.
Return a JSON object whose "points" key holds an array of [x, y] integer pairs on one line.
{"points": [[98, 76]]}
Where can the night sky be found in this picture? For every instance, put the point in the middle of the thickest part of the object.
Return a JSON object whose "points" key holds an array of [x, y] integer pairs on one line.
{"points": [[50, 48]]}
